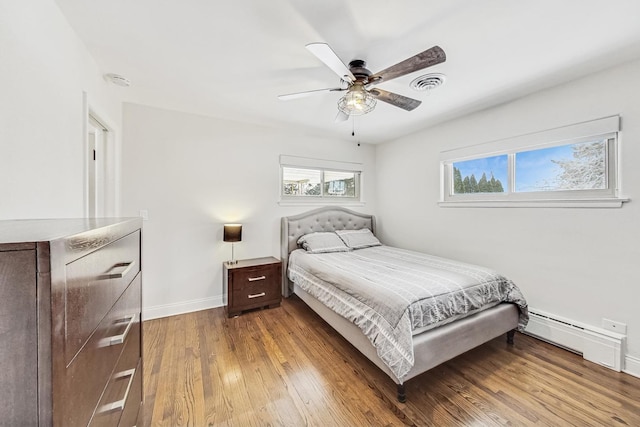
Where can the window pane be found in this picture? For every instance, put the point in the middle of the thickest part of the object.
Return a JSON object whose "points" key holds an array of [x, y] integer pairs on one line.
{"points": [[579, 166], [340, 184], [486, 175], [300, 182]]}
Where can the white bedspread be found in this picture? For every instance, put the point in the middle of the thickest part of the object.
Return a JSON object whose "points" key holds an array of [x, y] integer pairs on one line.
{"points": [[390, 292]]}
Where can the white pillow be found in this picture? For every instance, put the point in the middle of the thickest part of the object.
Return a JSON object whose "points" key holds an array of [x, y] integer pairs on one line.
{"points": [[358, 239], [322, 242]]}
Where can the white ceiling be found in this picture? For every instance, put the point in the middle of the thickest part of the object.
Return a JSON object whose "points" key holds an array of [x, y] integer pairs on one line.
{"points": [[230, 59]]}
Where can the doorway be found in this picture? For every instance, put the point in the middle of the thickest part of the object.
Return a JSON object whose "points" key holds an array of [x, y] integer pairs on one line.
{"points": [[97, 138]]}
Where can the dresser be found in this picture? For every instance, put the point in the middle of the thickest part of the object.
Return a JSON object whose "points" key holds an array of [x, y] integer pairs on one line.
{"points": [[70, 329], [252, 283]]}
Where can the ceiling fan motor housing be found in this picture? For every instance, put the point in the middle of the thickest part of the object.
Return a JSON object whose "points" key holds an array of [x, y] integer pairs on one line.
{"points": [[359, 70]]}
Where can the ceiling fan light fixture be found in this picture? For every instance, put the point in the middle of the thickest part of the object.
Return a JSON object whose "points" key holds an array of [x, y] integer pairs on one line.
{"points": [[357, 101]]}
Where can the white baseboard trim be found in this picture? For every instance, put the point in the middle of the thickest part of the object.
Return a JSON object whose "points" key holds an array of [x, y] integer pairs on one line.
{"points": [[595, 344], [632, 366], [165, 310]]}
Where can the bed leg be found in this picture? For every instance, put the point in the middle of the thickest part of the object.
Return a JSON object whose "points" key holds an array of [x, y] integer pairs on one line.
{"points": [[510, 335], [402, 396]]}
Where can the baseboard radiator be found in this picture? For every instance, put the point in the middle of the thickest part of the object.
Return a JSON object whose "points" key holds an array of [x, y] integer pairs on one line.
{"points": [[594, 344]]}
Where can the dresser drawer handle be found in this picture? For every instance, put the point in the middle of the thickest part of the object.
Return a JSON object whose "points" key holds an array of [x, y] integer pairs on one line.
{"points": [[261, 294], [128, 266], [119, 339], [253, 279], [119, 405]]}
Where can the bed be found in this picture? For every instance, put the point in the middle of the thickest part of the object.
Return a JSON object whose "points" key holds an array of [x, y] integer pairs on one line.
{"points": [[331, 279]]}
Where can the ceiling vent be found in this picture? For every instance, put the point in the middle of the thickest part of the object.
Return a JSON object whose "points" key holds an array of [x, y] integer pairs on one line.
{"points": [[117, 79], [427, 82]]}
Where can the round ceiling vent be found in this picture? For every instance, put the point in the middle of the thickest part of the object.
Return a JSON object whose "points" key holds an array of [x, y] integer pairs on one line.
{"points": [[117, 79], [427, 82]]}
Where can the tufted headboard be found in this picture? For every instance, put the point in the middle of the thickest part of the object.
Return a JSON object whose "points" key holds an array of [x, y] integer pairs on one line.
{"points": [[322, 219]]}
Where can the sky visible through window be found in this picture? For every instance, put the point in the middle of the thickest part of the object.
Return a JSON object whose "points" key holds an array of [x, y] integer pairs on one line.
{"points": [[535, 170]]}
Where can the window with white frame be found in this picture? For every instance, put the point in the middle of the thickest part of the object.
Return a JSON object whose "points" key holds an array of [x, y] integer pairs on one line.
{"points": [[570, 166], [314, 180]]}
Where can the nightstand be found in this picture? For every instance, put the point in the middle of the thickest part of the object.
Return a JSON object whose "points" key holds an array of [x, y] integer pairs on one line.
{"points": [[252, 283]]}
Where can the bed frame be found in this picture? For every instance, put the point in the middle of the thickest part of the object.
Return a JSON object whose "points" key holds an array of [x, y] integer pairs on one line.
{"points": [[432, 347]]}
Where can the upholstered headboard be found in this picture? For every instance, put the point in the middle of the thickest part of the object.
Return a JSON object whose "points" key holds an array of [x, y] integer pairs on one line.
{"points": [[322, 219]]}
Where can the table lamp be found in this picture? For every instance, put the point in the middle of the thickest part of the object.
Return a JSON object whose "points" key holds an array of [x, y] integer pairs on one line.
{"points": [[232, 233]]}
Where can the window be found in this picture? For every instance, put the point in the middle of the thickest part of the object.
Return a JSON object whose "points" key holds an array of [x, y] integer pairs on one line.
{"points": [[580, 166], [483, 175], [570, 166], [301, 182], [311, 180], [340, 184]]}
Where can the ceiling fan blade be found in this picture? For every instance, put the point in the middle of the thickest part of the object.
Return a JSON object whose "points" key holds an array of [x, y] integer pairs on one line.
{"points": [[341, 117], [325, 54], [307, 93], [425, 59], [394, 99]]}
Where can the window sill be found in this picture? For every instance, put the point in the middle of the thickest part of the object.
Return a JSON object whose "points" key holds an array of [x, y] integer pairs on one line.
{"points": [[320, 202], [614, 202]]}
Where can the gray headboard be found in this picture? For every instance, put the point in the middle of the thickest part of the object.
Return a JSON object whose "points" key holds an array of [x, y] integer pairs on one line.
{"points": [[322, 219]]}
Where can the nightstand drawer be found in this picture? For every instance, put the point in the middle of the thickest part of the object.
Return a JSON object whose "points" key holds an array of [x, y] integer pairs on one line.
{"points": [[255, 277], [252, 283], [258, 293]]}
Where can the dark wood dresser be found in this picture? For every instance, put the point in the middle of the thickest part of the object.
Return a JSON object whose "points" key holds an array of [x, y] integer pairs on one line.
{"points": [[252, 283], [70, 330]]}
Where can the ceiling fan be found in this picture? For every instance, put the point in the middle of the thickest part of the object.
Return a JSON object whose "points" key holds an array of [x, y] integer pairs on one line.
{"points": [[359, 82]]}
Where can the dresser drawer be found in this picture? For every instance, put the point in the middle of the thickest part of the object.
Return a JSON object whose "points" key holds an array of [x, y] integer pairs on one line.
{"points": [[121, 399], [133, 404], [117, 337], [93, 284]]}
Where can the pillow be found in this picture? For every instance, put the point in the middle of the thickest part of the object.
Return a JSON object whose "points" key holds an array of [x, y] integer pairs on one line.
{"points": [[322, 242], [358, 239]]}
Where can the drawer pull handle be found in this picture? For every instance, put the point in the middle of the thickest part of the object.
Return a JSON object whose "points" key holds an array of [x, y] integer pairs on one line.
{"points": [[121, 274], [119, 339], [261, 294], [253, 279], [119, 404]]}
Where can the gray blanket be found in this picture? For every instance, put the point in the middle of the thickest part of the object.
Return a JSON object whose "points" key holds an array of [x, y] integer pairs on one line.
{"points": [[389, 293]]}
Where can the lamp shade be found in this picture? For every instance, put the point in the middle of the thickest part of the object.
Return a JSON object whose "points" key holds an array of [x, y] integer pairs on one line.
{"points": [[232, 233]]}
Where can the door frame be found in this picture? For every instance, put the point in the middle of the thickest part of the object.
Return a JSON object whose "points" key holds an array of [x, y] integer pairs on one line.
{"points": [[101, 180]]}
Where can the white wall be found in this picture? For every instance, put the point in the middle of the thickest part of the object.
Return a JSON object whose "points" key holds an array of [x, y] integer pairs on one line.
{"points": [[581, 264], [44, 70], [193, 174]]}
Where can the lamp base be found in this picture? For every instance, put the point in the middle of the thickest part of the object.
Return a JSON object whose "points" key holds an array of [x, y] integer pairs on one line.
{"points": [[233, 258]]}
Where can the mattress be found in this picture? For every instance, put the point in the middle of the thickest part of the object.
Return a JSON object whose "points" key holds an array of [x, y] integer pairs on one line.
{"points": [[392, 294]]}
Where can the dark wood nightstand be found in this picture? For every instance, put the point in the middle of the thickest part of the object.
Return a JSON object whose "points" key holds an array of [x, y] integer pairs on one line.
{"points": [[252, 283]]}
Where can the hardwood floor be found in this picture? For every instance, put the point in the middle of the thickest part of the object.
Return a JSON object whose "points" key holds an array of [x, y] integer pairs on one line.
{"points": [[285, 366]]}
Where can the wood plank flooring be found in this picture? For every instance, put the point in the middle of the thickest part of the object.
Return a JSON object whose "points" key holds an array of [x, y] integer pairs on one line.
{"points": [[286, 367]]}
